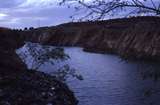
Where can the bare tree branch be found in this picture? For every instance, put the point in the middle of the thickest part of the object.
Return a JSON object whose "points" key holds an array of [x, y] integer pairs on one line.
{"points": [[98, 9]]}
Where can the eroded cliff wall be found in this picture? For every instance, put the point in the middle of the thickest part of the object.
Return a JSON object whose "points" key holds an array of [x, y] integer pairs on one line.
{"points": [[129, 37]]}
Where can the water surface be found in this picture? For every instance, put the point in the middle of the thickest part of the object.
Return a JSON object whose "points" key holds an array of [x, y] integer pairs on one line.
{"points": [[108, 80]]}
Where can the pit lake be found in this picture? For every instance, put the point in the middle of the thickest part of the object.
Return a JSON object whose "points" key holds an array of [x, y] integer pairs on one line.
{"points": [[108, 80]]}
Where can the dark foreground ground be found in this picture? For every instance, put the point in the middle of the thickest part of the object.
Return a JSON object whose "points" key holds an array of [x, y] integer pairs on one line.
{"points": [[20, 86]]}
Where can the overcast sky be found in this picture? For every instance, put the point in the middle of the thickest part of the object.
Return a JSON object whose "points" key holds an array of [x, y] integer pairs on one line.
{"points": [[28, 13], [34, 13]]}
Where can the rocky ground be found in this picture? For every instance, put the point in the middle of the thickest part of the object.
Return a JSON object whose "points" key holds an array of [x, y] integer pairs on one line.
{"points": [[20, 86], [33, 88]]}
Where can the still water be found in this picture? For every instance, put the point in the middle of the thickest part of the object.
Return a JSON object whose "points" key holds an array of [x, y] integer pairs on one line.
{"points": [[108, 80]]}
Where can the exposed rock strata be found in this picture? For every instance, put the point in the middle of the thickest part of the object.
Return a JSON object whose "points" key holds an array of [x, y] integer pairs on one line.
{"points": [[137, 37]]}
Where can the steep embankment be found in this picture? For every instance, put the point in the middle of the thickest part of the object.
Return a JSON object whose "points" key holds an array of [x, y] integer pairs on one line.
{"points": [[137, 37], [20, 86]]}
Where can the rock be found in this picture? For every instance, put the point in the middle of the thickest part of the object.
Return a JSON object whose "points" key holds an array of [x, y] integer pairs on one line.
{"points": [[136, 37], [35, 89]]}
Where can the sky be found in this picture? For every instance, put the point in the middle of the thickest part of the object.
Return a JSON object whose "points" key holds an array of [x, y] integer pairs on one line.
{"points": [[33, 13]]}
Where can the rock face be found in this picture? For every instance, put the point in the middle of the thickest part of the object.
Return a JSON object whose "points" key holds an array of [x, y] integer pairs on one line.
{"points": [[136, 37], [20, 86]]}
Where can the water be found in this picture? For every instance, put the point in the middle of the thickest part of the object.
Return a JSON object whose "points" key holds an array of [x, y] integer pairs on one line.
{"points": [[108, 80]]}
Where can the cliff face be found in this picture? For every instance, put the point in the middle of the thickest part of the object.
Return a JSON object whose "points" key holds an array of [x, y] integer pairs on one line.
{"points": [[141, 39], [129, 37]]}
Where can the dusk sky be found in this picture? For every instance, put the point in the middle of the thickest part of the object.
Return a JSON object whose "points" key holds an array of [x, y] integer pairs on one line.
{"points": [[32, 13]]}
